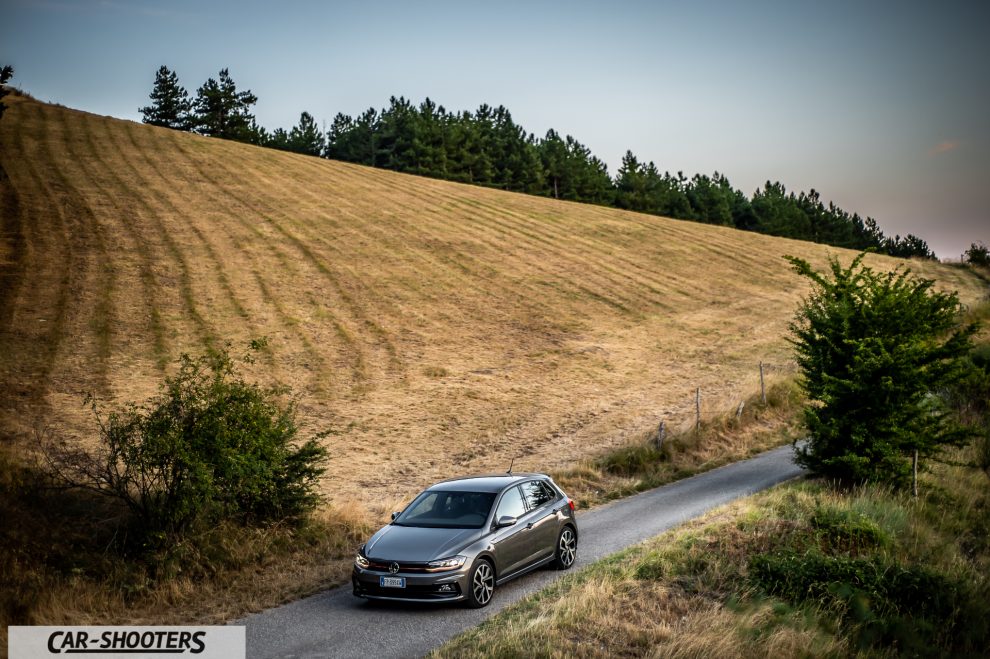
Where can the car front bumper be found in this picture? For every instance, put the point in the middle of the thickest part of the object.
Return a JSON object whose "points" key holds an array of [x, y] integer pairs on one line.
{"points": [[437, 587]]}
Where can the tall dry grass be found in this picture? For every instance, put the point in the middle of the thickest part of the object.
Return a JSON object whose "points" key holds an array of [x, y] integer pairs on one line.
{"points": [[405, 312]]}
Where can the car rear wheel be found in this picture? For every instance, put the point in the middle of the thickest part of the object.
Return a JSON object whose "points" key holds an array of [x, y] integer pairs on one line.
{"points": [[566, 548], [482, 585]]}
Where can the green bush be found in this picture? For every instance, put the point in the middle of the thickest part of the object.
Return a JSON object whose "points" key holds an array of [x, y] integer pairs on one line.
{"points": [[847, 530], [209, 447], [885, 603], [875, 351]]}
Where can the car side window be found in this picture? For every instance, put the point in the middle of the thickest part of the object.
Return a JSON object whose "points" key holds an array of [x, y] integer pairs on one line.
{"points": [[536, 494], [511, 504]]}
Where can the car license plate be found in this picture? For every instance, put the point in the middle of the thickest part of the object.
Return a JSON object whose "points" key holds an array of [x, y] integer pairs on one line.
{"points": [[392, 582]]}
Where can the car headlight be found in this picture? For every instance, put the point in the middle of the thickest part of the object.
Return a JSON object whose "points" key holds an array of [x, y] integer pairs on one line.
{"points": [[361, 560], [445, 564]]}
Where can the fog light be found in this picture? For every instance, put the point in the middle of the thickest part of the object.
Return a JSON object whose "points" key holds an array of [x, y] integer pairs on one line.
{"points": [[446, 588]]}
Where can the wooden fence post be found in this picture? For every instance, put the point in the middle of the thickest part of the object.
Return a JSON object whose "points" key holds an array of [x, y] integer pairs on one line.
{"points": [[697, 409], [763, 386], [742, 404], [661, 434]]}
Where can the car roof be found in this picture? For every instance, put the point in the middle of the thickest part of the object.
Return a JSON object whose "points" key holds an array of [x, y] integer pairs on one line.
{"points": [[485, 482]]}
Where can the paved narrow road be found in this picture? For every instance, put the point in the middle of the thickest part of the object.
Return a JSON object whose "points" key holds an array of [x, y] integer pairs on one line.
{"points": [[336, 624]]}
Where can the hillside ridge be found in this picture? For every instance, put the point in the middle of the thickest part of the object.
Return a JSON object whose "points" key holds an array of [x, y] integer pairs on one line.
{"points": [[435, 326]]}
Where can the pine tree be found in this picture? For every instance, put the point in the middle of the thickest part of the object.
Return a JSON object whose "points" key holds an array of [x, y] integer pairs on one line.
{"points": [[170, 105], [305, 137], [978, 255], [432, 140], [710, 199], [222, 111], [631, 184], [6, 73]]}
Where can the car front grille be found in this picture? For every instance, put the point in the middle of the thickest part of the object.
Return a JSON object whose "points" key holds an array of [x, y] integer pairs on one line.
{"points": [[386, 566]]}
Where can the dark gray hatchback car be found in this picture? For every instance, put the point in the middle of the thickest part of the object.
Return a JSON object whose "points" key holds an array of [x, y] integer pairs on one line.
{"points": [[462, 537]]}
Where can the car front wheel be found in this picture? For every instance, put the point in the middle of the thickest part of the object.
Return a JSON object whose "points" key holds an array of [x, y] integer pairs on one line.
{"points": [[482, 585], [566, 548]]}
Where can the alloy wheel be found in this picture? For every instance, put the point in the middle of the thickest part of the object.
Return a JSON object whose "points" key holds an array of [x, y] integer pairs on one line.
{"points": [[483, 583], [566, 548]]}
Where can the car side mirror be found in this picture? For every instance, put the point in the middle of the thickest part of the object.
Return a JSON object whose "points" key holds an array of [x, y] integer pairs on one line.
{"points": [[394, 515], [505, 520]]}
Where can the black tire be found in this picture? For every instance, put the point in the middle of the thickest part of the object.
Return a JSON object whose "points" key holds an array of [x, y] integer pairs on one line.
{"points": [[566, 550], [481, 585]]}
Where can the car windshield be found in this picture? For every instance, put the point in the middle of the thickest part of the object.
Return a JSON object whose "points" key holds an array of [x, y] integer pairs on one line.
{"points": [[448, 510]]}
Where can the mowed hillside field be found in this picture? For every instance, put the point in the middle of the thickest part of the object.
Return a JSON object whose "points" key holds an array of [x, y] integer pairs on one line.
{"points": [[437, 328]]}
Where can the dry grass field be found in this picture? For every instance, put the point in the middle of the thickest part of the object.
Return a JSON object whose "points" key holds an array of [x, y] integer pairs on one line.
{"points": [[438, 328]]}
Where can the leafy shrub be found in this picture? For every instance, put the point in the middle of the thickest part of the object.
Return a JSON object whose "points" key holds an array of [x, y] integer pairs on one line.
{"points": [[887, 603], [874, 349], [209, 447], [847, 530]]}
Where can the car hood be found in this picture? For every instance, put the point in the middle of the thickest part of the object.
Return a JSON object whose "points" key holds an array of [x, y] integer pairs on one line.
{"points": [[417, 544]]}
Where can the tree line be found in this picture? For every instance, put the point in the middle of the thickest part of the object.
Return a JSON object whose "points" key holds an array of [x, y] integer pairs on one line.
{"points": [[488, 148]]}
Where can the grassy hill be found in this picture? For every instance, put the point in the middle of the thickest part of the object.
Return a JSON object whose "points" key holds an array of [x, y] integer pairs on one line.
{"points": [[438, 327]]}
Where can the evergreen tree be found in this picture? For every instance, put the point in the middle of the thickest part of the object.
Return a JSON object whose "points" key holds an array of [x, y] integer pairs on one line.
{"points": [[631, 184], [170, 105], [339, 138], [489, 148], [431, 140], [779, 214], [278, 139], [587, 175], [305, 137], [553, 158], [397, 136], [978, 255], [875, 350], [6, 73], [868, 233], [222, 111], [710, 199], [669, 194], [908, 246], [257, 134]]}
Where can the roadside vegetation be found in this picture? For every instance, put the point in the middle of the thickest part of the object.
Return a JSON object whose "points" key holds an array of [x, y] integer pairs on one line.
{"points": [[70, 558], [811, 568], [181, 507], [850, 562], [646, 462], [807, 569]]}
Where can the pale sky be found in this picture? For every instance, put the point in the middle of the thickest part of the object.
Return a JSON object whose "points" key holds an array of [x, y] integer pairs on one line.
{"points": [[880, 106]]}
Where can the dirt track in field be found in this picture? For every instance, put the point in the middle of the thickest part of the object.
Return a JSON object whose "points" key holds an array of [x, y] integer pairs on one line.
{"points": [[437, 328]]}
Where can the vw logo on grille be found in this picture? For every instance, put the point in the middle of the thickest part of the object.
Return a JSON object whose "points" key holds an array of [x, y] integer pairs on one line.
{"points": [[393, 568]]}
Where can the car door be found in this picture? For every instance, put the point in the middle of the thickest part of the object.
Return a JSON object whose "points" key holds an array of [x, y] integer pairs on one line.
{"points": [[541, 520], [511, 543]]}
